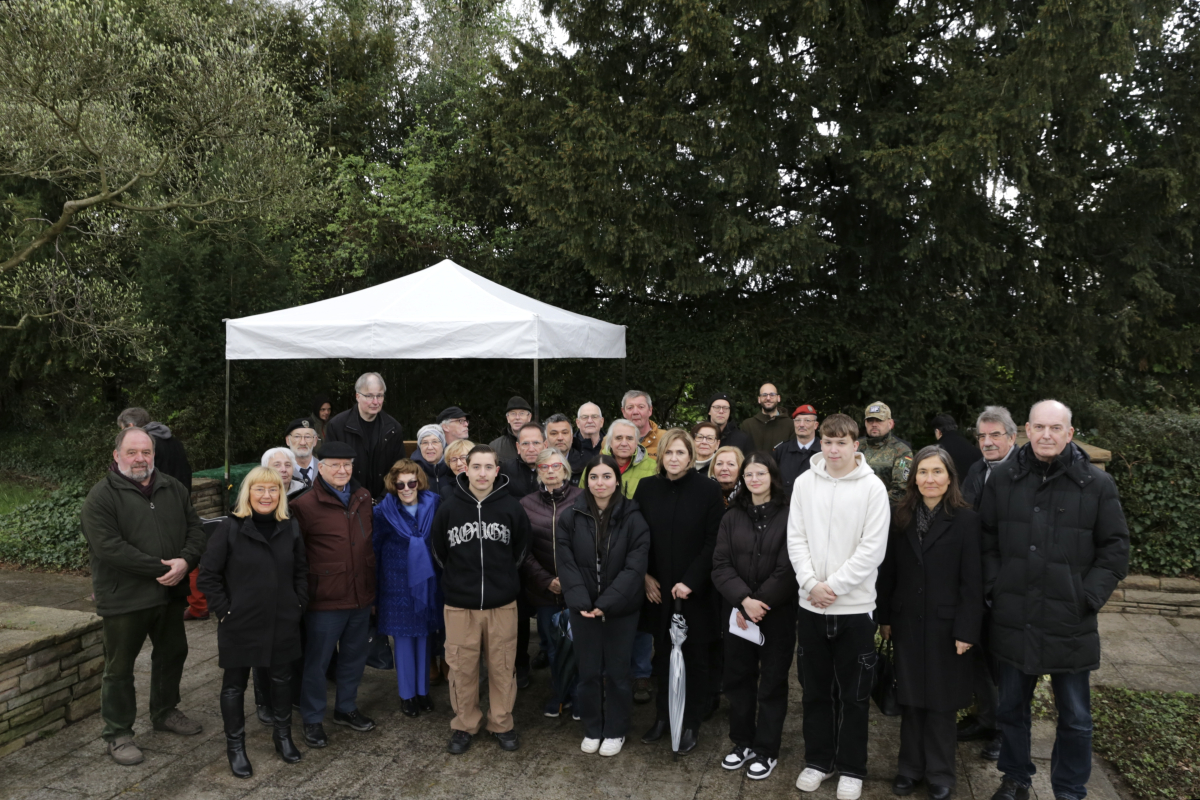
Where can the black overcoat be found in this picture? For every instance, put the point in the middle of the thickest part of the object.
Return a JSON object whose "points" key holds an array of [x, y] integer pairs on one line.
{"points": [[931, 592], [683, 516], [257, 586]]}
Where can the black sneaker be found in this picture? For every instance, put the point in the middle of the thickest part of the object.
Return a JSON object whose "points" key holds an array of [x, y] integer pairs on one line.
{"points": [[761, 767], [460, 742], [522, 677], [314, 735], [508, 740], [355, 720], [737, 756], [1011, 790]]}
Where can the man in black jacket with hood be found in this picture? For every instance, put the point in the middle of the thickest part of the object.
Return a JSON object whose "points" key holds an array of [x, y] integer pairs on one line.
{"points": [[479, 538], [377, 439], [1055, 545]]}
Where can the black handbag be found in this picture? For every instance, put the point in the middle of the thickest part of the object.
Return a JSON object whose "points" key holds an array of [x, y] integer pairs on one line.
{"points": [[379, 650], [884, 691]]}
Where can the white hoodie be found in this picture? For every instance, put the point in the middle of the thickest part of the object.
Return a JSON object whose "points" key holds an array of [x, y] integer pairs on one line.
{"points": [[837, 534]]}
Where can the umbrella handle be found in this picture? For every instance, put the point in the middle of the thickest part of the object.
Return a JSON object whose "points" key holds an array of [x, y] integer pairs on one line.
{"points": [[678, 605]]}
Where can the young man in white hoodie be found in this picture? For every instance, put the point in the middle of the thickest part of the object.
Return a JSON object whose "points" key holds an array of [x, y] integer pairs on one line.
{"points": [[837, 537]]}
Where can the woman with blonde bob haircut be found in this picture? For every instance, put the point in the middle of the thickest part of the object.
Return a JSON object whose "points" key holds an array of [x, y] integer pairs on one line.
{"points": [[725, 467], [670, 437], [255, 575]]}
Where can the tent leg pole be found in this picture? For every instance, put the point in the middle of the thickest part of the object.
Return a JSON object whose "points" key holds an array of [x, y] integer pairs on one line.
{"points": [[536, 417], [225, 485]]}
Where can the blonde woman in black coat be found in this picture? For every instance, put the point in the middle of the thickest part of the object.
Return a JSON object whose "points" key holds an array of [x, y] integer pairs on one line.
{"points": [[930, 605]]}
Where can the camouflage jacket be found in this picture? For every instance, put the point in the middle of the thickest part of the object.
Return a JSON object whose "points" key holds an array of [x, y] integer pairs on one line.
{"points": [[891, 459]]}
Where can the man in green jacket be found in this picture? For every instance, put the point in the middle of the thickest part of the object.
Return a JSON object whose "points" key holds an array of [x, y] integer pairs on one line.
{"points": [[144, 538], [770, 425], [890, 457]]}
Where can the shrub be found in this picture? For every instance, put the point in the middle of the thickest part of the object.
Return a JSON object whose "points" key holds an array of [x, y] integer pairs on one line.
{"points": [[1152, 738], [47, 533], [1156, 466]]}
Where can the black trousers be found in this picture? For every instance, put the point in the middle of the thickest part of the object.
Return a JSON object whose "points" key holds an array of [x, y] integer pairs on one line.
{"points": [[697, 686], [525, 610], [984, 670], [928, 743], [837, 660], [756, 677], [604, 694], [262, 676]]}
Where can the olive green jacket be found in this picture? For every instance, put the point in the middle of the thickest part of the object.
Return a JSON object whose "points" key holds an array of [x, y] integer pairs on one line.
{"points": [[130, 536]]}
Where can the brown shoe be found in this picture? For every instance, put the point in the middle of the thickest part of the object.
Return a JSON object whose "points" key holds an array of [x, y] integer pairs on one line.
{"points": [[178, 722], [125, 752]]}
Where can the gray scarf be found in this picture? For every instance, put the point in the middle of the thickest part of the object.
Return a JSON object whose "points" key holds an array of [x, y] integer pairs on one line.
{"points": [[925, 518]]}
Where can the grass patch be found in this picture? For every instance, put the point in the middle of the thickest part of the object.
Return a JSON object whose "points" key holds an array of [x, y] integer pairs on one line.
{"points": [[1152, 738], [14, 494]]}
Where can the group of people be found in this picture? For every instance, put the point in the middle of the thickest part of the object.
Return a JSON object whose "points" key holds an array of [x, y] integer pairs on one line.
{"points": [[774, 541]]}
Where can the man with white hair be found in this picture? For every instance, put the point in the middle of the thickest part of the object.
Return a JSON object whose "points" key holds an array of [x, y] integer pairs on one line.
{"points": [[1055, 545], [377, 439]]}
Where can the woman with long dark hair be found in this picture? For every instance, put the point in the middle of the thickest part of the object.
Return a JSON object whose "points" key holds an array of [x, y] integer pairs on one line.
{"points": [[754, 574], [255, 575], [601, 547], [683, 510], [930, 604]]}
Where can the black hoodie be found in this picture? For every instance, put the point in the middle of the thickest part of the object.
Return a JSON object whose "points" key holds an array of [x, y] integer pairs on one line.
{"points": [[480, 571]]}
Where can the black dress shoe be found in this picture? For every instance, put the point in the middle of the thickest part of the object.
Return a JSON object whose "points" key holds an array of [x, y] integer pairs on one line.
{"points": [[425, 702], [970, 730], [1011, 790], [991, 749], [522, 677], [937, 792], [264, 715], [541, 660], [355, 720], [460, 742], [688, 740], [656, 732], [508, 740], [409, 707], [314, 735], [903, 785]]}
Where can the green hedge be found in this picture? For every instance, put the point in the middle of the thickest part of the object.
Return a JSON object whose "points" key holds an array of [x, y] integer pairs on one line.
{"points": [[1156, 465], [46, 533]]}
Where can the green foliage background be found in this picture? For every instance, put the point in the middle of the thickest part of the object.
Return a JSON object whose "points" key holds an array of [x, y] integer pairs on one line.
{"points": [[942, 205]]}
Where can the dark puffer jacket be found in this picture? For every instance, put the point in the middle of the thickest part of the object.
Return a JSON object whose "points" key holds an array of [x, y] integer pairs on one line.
{"points": [[1055, 545], [613, 580], [751, 558], [545, 510]]}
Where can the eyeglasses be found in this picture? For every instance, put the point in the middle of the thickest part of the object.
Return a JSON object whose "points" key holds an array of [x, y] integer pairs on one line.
{"points": [[769, 394], [995, 437], [304, 437], [705, 438], [458, 460], [715, 407], [550, 467], [371, 397], [406, 485], [339, 467], [591, 417]]}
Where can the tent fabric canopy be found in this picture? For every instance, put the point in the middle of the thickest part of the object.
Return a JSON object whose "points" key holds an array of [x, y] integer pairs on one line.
{"points": [[444, 311]]}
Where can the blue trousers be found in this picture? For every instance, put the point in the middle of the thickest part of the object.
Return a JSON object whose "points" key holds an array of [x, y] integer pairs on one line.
{"points": [[348, 632], [1071, 759], [643, 655], [412, 665]]}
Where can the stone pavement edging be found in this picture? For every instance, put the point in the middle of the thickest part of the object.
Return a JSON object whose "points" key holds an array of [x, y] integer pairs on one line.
{"points": [[51, 664], [1145, 594]]}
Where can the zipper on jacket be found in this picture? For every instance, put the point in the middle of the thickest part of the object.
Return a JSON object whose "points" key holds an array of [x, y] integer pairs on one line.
{"points": [[479, 535]]}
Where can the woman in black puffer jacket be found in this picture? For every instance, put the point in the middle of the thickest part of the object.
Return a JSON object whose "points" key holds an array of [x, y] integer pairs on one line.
{"points": [[539, 572], [753, 573], [602, 545]]}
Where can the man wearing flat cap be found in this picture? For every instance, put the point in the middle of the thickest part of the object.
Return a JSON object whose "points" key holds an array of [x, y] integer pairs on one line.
{"points": [[454, 422], [301, 436], [888, 456], [335, 519], [517, 413], [793, 455]]}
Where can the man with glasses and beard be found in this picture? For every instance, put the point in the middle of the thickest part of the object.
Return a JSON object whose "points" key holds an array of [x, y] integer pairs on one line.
{"points": [[301, 437], [768, 427]]}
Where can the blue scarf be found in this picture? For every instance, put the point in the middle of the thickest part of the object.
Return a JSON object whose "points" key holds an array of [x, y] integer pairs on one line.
{"points": [[422, 583]]}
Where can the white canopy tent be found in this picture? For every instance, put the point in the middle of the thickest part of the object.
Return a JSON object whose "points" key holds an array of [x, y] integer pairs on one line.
{"points": [[444, 311]]}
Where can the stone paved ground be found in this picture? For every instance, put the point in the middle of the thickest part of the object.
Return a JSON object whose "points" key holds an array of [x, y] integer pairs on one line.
{"points": [[407, 758]]}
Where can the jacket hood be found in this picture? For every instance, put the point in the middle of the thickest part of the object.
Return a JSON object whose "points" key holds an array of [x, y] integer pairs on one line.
{"points": [[463, 489], [158, 430], [861, 470], [1076, 467]]}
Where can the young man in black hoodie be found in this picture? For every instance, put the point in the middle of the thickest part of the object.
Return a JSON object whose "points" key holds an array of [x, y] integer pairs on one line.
{"points": [[480, 535]]}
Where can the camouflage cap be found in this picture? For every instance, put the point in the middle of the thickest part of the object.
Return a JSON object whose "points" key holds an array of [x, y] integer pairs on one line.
{"points": [[878, 410]]}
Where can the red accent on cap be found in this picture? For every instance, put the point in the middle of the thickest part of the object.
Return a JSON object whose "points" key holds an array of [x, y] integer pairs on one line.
{"points": [[804, 409]]}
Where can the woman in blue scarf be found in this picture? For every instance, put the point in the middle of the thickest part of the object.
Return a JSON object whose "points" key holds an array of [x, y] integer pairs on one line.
{"points": [[407, 598]]}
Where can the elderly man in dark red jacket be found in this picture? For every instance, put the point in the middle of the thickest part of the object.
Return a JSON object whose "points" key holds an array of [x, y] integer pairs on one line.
{"points": [[335, 519]]}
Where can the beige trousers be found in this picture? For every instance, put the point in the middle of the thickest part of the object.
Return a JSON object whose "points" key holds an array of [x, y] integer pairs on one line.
{"points": [[492, 633]]}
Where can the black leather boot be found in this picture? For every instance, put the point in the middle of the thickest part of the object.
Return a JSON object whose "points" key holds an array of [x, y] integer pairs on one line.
{"points": [[281, 709], [234, 716]]}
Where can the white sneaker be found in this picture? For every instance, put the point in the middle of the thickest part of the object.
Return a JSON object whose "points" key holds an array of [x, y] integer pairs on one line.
{"points": [[612, 746], [737, 757], [761, 767], [849, 788], [811, 779], [590, 746]]}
